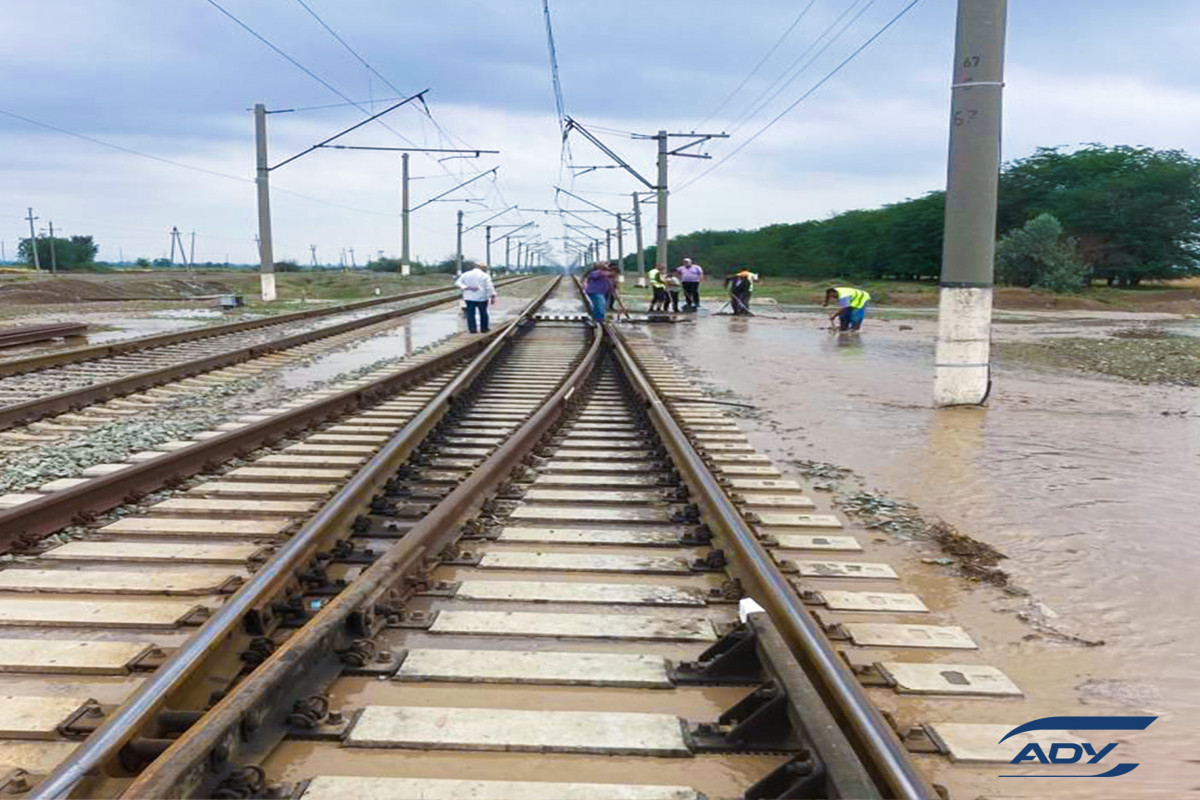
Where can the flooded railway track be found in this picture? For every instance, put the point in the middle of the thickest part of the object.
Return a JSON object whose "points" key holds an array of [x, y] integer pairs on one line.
{"points": [[37, 393], [529, 588]]}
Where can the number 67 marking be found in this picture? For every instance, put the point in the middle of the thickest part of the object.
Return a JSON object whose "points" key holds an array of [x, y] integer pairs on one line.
{"points": [[963, 117]]}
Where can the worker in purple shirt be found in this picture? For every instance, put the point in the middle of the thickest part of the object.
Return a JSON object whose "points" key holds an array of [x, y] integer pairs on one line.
{"points": [[690, 276], [596, 285]]}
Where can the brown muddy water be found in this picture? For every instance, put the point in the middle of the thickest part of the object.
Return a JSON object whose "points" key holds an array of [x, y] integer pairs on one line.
{"points": [[1088, 485]]}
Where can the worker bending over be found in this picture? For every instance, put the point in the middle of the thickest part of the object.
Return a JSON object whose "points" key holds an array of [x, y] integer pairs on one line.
{"points": [[851, 306], [658, 300], [741, 291]]}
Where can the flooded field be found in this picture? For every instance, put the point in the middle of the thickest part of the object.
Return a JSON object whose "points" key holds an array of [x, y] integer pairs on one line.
{"points": [[1087, 484]]}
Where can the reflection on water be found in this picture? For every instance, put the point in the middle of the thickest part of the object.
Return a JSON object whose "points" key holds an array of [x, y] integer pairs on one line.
{"points": [[408, 335], [1085, 484]]}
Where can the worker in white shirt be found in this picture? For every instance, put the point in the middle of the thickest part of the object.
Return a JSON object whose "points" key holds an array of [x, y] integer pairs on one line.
{"points": [[477, 293]]}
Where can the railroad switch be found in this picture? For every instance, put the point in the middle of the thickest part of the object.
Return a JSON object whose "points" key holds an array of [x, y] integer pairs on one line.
{"points": [[759, 722]]}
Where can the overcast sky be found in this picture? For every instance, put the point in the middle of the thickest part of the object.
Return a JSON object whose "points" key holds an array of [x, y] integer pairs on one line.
{"points": [[176, 80]]}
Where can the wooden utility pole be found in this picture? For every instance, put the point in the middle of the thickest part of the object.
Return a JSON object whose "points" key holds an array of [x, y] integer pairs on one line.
{"points": [[963, 368]]}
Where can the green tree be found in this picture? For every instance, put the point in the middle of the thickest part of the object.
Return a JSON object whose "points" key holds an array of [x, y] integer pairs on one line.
{"points": [[1039, 254], [73, 253], [1134, 210]]}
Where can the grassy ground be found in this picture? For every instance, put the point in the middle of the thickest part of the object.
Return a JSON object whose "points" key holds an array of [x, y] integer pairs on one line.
{"points": [[1177, 297]]}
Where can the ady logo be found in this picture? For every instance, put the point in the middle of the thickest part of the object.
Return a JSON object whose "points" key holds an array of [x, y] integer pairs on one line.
{"points": [[1070, 752]]}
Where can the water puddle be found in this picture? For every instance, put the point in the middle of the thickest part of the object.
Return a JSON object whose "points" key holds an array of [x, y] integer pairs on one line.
{"points": [[1086, 484]]}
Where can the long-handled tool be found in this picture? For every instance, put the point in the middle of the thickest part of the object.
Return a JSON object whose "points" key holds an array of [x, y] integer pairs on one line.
{"points": [[622, 309]]}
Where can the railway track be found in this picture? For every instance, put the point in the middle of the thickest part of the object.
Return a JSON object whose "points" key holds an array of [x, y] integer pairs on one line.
{"points": [[43, 386], [507, 571]]}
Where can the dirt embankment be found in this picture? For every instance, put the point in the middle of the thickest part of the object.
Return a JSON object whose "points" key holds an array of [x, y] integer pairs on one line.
{"points": [[78, 290]]}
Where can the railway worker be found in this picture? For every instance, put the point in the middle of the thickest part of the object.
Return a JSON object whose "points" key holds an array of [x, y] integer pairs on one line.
{"points": [[690, 276], [741, 291], [597, 285], [658, 298], [477, 292], [672, 284], [851, 307], [614, 284]]}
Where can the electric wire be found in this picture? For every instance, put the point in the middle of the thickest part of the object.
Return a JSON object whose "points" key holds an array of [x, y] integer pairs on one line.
{"points": [[812, 60], [829, 75], [759, 65], [182, 165]]}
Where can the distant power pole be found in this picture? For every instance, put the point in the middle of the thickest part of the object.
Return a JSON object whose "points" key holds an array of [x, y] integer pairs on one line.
{"points": [[53, 258], [37, 265], [487, 239], [641, 251], [405, 269], [660, 254], [3, 255], [266, 251], [313, 248], [620, 250], [191, 253], [353, 264], [458, 253], [608, 244], [174, 233], [963, 368], [342, 260]]}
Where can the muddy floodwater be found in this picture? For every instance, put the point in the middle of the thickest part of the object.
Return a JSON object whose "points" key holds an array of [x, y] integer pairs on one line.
{"points": [[1088, 485]]}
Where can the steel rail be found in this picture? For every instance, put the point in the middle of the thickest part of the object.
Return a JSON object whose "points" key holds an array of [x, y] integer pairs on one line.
{"points": [[868, 732], [23, 524], [97, 351], [26, 334], [32, 410], [234, 715], [309, 652]]}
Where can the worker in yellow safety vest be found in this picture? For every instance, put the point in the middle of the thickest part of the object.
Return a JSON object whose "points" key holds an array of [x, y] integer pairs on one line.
{"points": [[851, 307], [658, 301]]}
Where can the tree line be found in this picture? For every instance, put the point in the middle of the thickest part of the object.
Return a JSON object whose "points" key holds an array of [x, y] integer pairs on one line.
{"points": [[1120, 214]]}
